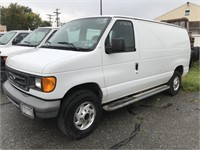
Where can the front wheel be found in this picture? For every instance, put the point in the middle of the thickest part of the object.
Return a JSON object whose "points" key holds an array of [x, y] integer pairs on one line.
{"points": [[174, 83], [79, 115]]}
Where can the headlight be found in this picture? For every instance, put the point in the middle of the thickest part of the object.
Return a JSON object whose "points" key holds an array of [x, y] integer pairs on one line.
{"points": [[38, 83], [46, 84]]}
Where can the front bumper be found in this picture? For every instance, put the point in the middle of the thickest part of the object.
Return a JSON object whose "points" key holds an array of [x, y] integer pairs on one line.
{"points": [[42, 108]]}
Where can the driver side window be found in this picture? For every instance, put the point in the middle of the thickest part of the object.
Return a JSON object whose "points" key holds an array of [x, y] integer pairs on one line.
{"points": [[122, 30], [19, 38]]}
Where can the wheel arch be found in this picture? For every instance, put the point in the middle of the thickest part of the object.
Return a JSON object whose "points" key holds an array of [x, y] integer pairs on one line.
{"points": [[179, 69], [94, 87]]}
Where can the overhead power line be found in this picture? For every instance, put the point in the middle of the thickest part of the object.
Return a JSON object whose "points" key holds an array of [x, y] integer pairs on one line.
{"points": [[50, 18]]}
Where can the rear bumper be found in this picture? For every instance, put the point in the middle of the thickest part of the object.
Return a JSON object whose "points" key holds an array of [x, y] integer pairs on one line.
{"points": [[42, 108]]}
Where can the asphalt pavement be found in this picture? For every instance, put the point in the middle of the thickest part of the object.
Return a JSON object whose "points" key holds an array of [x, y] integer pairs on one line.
{"points": [[158, 122]]}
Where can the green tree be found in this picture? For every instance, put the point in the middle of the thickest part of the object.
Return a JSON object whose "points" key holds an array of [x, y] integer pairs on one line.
{"points": [[17, 17], [45, 24]]}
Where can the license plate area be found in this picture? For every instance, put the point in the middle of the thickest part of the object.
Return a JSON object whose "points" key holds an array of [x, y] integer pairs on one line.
{"points": [[27, 110]]}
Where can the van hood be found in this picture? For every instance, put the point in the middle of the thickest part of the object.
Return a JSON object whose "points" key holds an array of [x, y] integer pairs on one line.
{"points": [[7, 51], [42, 60]]}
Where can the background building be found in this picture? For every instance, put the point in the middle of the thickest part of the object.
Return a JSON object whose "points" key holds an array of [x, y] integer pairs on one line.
{"points": [[188, 16], [3, 28]]}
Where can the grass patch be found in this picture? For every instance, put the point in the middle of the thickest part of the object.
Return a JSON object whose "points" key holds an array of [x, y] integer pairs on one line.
{"points": [[191, 82]]}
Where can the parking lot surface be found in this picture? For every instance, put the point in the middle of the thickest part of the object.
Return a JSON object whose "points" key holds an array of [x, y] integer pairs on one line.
{"points": [[158, 122]]}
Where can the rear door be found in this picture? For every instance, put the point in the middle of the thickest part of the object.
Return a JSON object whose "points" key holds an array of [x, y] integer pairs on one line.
{"points": [[121, 69]]}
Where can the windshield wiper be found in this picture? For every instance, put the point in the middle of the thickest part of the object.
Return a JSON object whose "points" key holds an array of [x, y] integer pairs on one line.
{"points": [[27, 42], [28, 45], [69, 44], [19, 44]]}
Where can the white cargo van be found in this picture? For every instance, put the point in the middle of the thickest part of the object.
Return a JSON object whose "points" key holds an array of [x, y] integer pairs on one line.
{"points": [[97, 63], [37, 38], [13, 37]]}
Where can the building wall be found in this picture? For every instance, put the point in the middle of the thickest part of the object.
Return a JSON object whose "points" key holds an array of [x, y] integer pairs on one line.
{"points": [[3, 28], [192, 13], [180, 13]]}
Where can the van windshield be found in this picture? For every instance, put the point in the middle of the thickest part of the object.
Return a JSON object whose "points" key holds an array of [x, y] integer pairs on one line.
{"points": [[35, 38], [79, 35], [7, 37]]}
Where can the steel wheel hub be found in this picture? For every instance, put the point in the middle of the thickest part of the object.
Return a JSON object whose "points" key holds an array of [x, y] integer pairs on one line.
{"points": [[176, 83], [84, 116]]}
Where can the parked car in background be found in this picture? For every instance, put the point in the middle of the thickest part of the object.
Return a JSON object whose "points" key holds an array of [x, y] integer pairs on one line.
{"points": [[37, 38], [97, 63], [13, 37]]}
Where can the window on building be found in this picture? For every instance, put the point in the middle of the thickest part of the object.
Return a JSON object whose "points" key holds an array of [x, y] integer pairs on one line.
{"points": [[187, 12]]}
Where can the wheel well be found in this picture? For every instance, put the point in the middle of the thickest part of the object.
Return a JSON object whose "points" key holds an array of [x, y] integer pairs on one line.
{"points": [[88, 86], [179, 69]]}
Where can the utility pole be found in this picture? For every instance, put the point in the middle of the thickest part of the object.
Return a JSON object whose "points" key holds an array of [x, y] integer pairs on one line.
{"points": [[0, 14], [100, 7], [57, 18], [50, 18]]}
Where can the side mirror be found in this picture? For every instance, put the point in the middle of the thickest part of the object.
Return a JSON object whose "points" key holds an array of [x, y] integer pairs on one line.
{"points": [[15, 41], [118, 45]]}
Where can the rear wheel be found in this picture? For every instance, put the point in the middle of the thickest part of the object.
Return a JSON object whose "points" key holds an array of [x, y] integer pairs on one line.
{"points": [[79, 115], [174, 83]]}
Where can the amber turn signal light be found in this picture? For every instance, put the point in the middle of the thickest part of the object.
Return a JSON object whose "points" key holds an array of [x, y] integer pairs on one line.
{"points": [[48, 84]]}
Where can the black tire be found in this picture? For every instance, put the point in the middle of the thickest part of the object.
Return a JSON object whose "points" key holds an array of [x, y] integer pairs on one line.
{"points": [[196, 53], [75, 105], [174, 83]]}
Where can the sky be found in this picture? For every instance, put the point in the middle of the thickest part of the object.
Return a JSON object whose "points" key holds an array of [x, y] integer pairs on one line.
{"points": [[72, 9]]}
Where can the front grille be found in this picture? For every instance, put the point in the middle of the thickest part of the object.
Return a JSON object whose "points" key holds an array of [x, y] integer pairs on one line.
{"points": [[17, 78]]}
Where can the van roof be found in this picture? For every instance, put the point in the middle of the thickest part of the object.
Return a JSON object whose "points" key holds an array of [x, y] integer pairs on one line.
{"points": [[148, 20], [50, 27], [28, 31], [135, 18]]}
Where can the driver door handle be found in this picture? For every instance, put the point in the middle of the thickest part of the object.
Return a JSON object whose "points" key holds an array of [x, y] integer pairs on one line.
{"points": [[136, 68]]}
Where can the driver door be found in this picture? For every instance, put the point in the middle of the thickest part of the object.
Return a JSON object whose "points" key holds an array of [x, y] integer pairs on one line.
{"points": [[121, 68]]}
